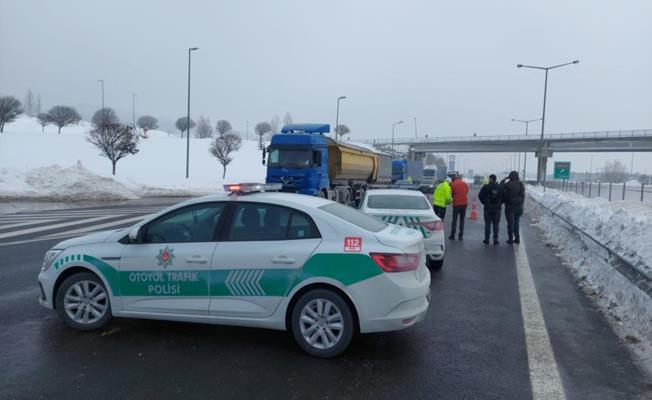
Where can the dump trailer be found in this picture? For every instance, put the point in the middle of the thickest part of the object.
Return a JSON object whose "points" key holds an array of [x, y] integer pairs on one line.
{"points": [[405, 169], [305, 160]]}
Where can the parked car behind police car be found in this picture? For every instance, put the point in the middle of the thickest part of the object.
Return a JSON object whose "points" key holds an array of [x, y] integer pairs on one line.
{"points": [[409, 208], [271, 260]]}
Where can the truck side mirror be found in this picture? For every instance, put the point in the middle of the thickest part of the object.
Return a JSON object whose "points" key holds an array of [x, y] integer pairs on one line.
{"points": [[264, 152]]}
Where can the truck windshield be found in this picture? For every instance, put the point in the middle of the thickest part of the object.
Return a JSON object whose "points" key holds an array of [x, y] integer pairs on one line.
{"points": [[429, 172], [289, 158]]}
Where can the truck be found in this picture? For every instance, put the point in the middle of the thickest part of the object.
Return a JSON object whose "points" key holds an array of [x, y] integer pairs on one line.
{"points": [[305, 160], [404, 169]]}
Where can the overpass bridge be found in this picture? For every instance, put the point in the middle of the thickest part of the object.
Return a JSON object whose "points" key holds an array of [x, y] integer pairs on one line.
{"points": [[605, 141]]}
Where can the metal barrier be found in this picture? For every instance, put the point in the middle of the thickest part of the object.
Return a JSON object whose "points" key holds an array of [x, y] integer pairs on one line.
{"points": [[632, 272], [609, 190]]}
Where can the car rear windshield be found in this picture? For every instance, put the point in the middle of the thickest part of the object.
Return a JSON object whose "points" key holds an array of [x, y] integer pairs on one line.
{"points": [[398, 202], [354, 216]]}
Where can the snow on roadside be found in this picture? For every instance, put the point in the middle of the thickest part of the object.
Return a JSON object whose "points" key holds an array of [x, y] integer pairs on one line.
{"points": [[626, 228]]}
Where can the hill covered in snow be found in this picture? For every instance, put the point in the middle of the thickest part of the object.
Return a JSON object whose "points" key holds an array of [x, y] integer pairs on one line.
{"points": [[50, 166]]}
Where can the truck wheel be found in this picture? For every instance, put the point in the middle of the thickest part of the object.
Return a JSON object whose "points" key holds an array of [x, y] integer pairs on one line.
{"points": [[322, 323], [322, 194], [347, 197], [83, 302]]}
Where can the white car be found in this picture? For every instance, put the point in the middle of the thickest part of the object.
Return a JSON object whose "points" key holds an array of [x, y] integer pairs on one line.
{"points": [[409, 208], [269, 260]]}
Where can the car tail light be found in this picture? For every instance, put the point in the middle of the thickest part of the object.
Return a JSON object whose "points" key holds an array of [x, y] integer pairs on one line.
{"points": [[390, 262], [434, 225]]}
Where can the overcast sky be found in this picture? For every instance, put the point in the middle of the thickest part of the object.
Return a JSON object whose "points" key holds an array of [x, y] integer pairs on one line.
{"points": [[450, 64]]}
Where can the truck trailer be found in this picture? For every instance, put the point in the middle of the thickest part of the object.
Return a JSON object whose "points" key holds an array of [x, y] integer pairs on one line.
{"points": [[305, 160], [405, 169]]}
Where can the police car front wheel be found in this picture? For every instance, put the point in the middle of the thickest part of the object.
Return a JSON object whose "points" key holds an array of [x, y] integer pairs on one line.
{"points": [[83, 302], [322, 323]]}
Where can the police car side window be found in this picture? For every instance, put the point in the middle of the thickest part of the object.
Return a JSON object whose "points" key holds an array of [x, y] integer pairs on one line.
{"points": [[191, 224], [261, 222]]}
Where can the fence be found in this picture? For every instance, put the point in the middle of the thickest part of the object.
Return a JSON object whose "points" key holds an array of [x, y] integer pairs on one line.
{"points": [[635, 273], [610, 191]]}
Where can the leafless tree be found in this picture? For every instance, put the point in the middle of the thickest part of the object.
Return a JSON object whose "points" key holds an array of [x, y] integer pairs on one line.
{"points": [[275, 124], [105, 116], [114, 141], [223, 146], [37, 107], [223, 126], [147, 122], [614, 171], [43, 119], [63, 116], [261, 129], [182, 124], [10, 108], [203, 129], [287, 119], [29, 105], [341, 130]]}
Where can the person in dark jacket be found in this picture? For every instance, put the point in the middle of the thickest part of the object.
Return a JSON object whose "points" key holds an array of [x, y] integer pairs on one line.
{"points": [[491, 197], [514, 197]]}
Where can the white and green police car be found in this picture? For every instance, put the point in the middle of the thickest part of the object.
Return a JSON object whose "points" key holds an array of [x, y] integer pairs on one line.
{"points": [[250, 258]]}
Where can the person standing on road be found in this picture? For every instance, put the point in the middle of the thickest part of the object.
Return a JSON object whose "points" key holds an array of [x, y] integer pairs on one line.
{"points": [[460, 192], [441, 198], [514, 197], [491, 197]]}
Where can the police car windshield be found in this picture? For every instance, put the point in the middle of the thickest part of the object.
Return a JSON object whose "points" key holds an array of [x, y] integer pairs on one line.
{"points": [[289, 158], [397, 202], [354, 216]]}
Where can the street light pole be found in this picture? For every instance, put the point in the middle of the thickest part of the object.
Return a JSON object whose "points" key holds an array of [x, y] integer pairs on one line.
{"points": [[133, 110], [188, 118], [541, 172], [394, 126], [101, 81], [415, 127], [527, 125], [337, 116]]}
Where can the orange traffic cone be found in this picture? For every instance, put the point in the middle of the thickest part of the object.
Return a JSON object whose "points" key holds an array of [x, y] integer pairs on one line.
{"points": [[474, 210]]}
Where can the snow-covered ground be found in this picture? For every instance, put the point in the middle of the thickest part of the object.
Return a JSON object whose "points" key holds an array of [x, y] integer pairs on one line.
{"points": [[48, 166], [626, 228]]}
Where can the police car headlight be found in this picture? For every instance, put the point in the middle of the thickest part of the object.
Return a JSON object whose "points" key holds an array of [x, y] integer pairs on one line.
{"points": [[49, 257]]}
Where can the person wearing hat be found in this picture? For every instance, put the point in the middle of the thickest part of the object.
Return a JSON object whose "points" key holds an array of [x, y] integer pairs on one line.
{"points": [[514, 197], [491, 197]]}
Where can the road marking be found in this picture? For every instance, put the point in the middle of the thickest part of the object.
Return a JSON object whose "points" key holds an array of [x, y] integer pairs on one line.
{"points": [[55, 226], [93, 228], [544, 373], [32, 222]]}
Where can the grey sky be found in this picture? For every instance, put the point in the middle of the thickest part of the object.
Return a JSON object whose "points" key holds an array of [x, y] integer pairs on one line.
{"points": [[450, 64]]}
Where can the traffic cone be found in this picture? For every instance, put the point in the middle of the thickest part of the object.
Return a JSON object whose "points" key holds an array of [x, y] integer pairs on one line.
{"points": [[474, 210]]}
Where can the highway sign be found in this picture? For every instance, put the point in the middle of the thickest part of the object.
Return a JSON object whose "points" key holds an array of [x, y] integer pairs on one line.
{"points": [[562, 169]]}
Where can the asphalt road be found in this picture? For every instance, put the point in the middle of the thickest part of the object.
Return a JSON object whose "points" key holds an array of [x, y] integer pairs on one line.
{"points": [[472, 344]]}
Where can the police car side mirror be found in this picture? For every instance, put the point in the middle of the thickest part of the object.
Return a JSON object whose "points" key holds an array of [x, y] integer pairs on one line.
{"points": [[134, 234]]}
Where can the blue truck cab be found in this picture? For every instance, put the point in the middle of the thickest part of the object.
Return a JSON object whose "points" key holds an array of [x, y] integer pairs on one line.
{"points": [[403, 169], [298, 159]]}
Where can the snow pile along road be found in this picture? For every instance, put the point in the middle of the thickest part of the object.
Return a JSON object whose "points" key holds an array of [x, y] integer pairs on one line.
{"points": [[626, 229]]}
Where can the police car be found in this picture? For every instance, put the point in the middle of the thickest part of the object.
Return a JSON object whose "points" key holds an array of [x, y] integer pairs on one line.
{"points": [[409, 208], [250, 257]]}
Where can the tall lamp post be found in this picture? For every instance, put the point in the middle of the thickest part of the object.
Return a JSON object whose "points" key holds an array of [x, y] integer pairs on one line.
{"points": [[337, 116], [394, 126], [101, 81], [543, 158], [188, 117], [133, 110], [527, 124], [415, 127]]}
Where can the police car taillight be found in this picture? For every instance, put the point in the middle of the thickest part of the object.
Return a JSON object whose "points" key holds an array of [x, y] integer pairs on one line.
{"points": [[434, 225], [252, 187], [391, 262]]}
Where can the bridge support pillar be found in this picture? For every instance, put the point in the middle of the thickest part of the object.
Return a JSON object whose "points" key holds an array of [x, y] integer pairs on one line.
{"points": [[542, 163]]}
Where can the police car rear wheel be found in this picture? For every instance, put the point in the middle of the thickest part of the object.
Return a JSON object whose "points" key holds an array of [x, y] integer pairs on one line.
{"points": [[83, 302], [322, 323]]}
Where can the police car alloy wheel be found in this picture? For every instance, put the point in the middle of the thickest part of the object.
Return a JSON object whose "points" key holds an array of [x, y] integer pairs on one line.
{"points": [[83, 302], [322, 323]]}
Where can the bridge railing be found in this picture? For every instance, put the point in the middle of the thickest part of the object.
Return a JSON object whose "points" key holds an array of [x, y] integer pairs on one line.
{"points": [[626, 134]]}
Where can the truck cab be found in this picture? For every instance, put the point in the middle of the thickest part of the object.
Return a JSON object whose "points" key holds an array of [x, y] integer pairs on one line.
{"points": [[297, 158]]}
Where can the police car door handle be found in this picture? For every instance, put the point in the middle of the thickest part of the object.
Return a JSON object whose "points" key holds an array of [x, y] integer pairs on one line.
{"points": [[196, 260], [283, 260]]}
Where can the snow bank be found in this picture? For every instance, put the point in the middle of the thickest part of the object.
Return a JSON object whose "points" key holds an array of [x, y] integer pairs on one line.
{"points": [[624, 227], [45, 165]]}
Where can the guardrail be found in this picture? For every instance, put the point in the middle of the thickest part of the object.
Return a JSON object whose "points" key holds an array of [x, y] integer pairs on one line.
{"points": [[624, 134], [608, 190], [632, 272]]}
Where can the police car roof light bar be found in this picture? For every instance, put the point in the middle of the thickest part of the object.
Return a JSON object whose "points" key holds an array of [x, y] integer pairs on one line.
{"points": [[244, 188]]}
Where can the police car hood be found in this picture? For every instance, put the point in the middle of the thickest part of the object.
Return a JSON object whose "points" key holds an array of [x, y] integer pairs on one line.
{"points": [[95, 237]]}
